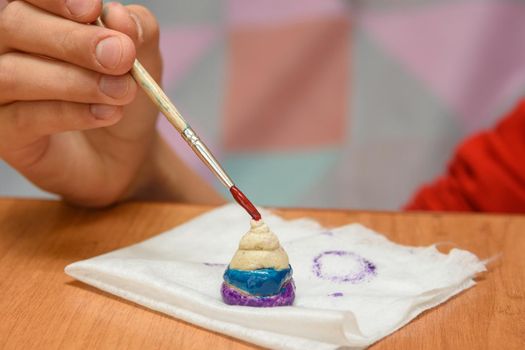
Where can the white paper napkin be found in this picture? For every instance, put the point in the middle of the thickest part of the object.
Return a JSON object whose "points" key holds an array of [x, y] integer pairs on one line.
{"points": [[354, 286]]}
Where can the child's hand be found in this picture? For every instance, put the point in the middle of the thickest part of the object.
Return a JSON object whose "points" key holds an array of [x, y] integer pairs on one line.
{"points": [[71, 119]]}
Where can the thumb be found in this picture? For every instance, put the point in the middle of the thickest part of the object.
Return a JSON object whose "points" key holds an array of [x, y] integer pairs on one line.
{"points": [[141, 26]]}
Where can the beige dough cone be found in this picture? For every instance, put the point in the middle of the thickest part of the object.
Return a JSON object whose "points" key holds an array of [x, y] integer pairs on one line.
{"points": [[259, 249]]}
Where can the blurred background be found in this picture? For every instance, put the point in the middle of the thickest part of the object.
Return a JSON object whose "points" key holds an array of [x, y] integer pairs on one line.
{"points": [[331, 103]]}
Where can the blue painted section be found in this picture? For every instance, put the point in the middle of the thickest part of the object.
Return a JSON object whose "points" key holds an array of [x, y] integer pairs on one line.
{"points": [[261, 282]]}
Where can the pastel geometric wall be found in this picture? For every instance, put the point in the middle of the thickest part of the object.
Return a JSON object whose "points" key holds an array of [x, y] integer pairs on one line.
{"points": [[353, 103], [331, 103]]}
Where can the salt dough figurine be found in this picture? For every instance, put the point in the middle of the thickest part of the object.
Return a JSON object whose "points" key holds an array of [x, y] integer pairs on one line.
{"points": [[259, 274]]}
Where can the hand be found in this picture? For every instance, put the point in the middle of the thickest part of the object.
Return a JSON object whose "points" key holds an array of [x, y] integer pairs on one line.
{"points": [[72, 119]]}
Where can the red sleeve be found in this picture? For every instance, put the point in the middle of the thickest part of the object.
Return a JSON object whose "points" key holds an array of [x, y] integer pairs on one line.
{"points": [[487, 172]]}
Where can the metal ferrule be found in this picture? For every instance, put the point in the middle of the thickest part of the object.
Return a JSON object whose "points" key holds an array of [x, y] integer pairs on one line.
{"points": [[206, 156]]}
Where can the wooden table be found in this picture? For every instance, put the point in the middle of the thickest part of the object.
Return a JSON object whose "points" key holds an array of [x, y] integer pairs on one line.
{"points": [[42, 308]]}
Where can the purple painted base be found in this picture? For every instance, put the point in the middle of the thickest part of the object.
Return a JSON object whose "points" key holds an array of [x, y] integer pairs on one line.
{"points": [[232, 296]]}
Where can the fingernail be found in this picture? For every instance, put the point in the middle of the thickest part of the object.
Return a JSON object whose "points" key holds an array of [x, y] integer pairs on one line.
{"points": [[103, 111], [140, 31], [115, 87], [79, 7], [109, 52]]}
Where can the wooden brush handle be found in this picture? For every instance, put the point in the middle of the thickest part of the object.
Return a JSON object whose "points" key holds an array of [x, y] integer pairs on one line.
{"points": [[154, 91], [159, 98]]}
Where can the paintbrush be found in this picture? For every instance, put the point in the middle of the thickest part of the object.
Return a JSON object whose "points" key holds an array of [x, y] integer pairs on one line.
{"points": [[168, 109]]}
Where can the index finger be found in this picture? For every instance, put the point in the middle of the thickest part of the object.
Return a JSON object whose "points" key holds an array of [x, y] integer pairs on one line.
{"points": [[23, 27], [83, 11]]}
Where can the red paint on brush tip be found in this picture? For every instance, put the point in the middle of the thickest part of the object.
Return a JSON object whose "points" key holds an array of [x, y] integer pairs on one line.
{"points": [[245, 203]]}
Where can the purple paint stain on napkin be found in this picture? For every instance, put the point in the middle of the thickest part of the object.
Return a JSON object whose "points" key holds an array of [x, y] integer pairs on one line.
{"points": [[366, 272], [336, 294], [214, 264]]}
